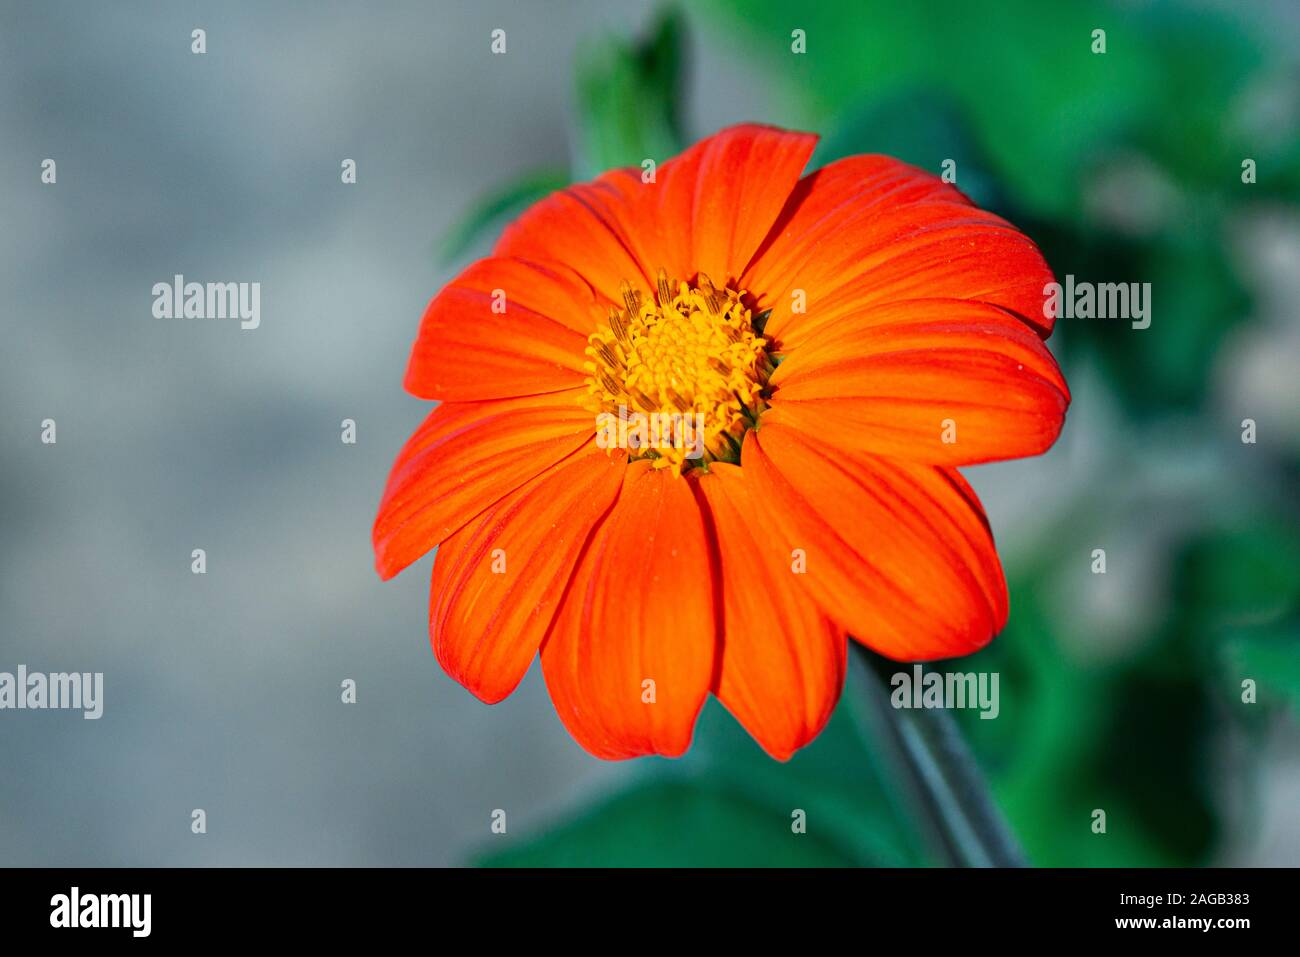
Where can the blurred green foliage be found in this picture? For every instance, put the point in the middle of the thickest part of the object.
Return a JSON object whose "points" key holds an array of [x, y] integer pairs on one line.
{"points": [[629, 97], [676, 824], [727, 804], [1124, 167]]}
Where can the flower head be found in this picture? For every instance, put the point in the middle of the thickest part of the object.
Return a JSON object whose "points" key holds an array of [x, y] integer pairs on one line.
{"points": [[691, 350], [695, 432]]}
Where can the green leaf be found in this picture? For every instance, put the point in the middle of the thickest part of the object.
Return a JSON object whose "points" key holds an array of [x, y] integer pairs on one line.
{"points": [[1271, 657], [1249, 573], [1203, 124], [727, 804], [675, 824], [837, 780], [1040, 102], [629, 95], [1195, 301], [1237, 592], [498, 206], [918, 126]]}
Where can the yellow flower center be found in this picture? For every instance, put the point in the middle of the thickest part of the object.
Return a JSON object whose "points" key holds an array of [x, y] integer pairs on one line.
{"points": [[677, 377]]}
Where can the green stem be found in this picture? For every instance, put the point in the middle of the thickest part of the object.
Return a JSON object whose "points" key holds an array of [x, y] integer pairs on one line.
{"points": [[941, 778]]}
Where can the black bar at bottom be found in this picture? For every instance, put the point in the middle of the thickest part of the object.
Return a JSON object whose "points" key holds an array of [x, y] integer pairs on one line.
{"points": [[376, 905]]}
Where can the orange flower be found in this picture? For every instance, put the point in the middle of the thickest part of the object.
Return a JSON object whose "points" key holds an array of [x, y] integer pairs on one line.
{"points": [[694, 432]]}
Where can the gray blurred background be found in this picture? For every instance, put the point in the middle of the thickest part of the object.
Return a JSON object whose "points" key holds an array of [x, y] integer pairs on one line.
{"points": [[222, 691]]}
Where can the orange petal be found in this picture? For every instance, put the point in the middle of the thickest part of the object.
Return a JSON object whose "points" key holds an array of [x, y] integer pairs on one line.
{"points": [[707, 211], [941, 381], [716, 201], [463, 458], [503, 328], [782, 659], [630, 656], [497, 581], [898, 554], [869, 230], [589, 228]]}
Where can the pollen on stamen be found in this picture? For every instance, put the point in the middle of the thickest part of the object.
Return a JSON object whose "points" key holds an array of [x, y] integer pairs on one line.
{"points": [[679, 375]]}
